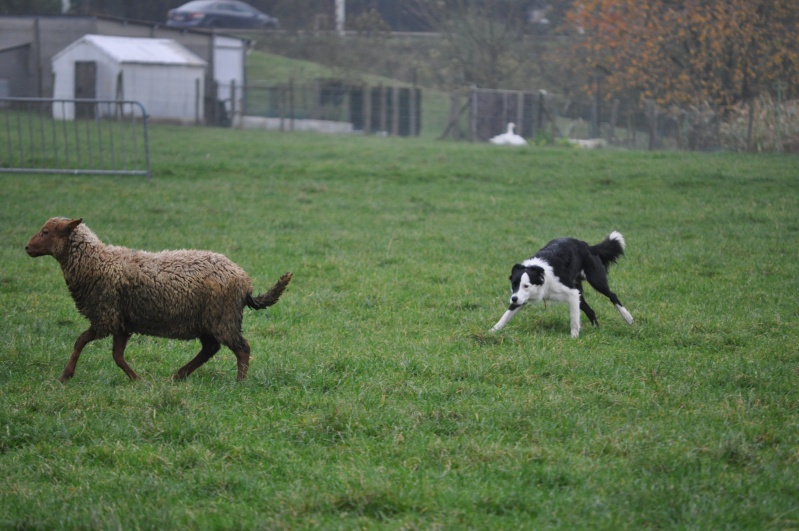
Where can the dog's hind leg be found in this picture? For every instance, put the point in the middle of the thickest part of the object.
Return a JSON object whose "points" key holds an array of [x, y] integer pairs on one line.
{"points": [[505, 319], [584, 305], [599, 281], [624, 313]]}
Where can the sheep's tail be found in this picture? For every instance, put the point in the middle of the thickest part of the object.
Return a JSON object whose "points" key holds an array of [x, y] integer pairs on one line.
{"points": [[270, 297]]}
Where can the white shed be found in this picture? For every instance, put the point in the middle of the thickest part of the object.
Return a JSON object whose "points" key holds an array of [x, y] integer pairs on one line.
{"points": [[161, 74]]}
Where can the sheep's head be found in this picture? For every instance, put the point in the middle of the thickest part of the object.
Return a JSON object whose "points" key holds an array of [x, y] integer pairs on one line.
{"points": [[52, 238]]}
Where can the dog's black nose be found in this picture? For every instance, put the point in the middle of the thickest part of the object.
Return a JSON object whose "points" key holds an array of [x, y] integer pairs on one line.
{"points": [[514, 298]]}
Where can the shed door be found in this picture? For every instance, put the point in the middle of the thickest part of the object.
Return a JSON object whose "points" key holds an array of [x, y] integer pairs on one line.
{"points": [[85, 88]]}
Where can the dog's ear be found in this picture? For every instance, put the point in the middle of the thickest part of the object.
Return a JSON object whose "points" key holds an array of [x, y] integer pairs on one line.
{"points": [[536, 274], [514, 269]]}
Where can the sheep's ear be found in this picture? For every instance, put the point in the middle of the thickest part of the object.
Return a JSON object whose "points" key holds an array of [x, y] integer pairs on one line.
{"points": [[73, 223]]}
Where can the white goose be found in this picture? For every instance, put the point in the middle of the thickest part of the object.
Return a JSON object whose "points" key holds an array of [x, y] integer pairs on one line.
{"points": [[509, 138]]}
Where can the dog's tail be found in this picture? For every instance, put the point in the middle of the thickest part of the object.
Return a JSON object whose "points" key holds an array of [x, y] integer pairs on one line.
{"points": [[270, 297], [610, 249]]}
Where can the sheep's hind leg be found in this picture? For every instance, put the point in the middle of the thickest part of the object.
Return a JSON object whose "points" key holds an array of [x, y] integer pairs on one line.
{"points": [[210, 346], [82, 341], [120, 342], [242, 351]]}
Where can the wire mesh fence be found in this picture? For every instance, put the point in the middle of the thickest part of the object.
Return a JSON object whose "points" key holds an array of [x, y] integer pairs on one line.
{"points": [[99, 136], [760, 124], [334, 106], [541, 117], [478, 114]]}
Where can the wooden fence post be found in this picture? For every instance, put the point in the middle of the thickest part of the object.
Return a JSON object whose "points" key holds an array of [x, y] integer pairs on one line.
{"points": [[317, 96], [291, 104], [614, 116], [233, 103], [282, 106], [382, 110], [412, 109], [197, 101], [651, 116], [473, 116], [395, 110], [454, 115], [367, 109], [750, 124], [539, 112]]}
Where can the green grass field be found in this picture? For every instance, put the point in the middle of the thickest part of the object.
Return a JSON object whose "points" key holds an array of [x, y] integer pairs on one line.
{"points": [[376, 395]]}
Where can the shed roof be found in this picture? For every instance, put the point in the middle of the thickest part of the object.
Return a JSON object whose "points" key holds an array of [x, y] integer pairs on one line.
{"points": [[139, 50]]}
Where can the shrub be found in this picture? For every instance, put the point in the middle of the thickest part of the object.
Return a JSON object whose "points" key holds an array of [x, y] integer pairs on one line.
{"points": [[765, 119]]}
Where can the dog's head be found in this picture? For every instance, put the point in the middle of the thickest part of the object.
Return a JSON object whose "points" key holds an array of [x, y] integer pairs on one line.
{"points": [[525, 284]]}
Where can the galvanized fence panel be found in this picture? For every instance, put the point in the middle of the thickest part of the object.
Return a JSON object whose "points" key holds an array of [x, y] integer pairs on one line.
{"points": [[77, 136]]}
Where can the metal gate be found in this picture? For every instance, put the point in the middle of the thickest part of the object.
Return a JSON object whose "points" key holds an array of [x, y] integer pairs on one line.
{"points": [[77, 136]]}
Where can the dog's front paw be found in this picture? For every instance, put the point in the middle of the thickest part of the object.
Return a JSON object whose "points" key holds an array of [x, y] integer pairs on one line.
{"points": [[499, 326]]}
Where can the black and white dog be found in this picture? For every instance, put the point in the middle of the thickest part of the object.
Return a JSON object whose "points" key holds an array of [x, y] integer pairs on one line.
{"points": [[556, 273]]}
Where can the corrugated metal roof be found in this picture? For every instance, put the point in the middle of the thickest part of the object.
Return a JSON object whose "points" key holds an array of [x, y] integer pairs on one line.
{"points": [[139, 50]]}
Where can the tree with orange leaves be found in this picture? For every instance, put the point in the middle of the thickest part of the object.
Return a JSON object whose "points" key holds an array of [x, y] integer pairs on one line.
{"points": [[688, 51]]}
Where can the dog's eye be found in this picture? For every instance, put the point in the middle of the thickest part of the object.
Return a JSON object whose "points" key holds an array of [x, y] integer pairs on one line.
{"points": [[45, 232], [526, 286]]}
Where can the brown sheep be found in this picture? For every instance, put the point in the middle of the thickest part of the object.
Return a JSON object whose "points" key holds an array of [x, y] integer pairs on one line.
{"points": [[183, 294]]}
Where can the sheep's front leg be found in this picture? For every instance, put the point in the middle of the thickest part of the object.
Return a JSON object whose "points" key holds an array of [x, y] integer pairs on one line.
{"points": [[83, 339], [120, 342]]}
